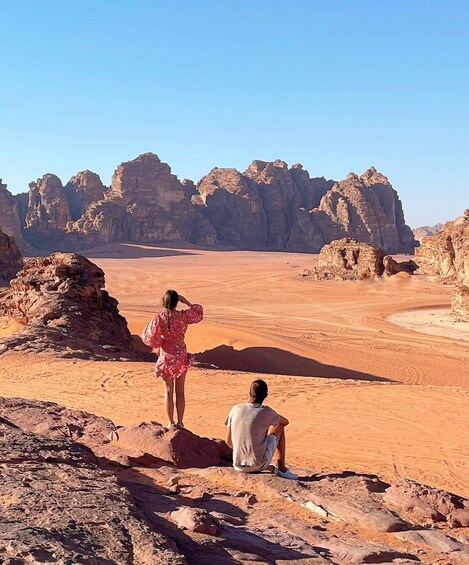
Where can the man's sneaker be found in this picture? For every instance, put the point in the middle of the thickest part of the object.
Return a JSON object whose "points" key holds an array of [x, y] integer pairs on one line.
{"points": [[286, 474]]}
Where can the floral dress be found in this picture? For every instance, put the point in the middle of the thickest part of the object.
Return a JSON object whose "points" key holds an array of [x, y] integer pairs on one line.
{"points": [[166, 331]]}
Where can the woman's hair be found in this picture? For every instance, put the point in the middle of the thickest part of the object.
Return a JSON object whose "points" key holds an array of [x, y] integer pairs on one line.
{"points": [[169, 301]]}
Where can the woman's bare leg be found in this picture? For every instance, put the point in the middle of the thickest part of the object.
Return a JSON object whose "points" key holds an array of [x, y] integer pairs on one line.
{"points": [[169, 400], [180, 398]]}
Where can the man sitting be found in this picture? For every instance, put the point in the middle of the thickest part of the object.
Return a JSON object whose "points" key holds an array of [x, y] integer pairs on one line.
{"points": [[257, 433]]}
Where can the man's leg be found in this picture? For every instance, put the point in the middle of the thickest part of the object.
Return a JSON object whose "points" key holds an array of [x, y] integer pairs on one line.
{"points": [[280, 454]]}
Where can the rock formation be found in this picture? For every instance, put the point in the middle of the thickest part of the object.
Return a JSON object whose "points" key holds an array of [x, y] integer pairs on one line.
{"points": [[59, 507], [61, 303], [81, 191], [446, 256], [269, 206], [58, 503], [10, 217], [348, 259], [47, 212], [11, 260], [392, 267], [367, 208], [272, 206], [146, 204], [424, 231]]}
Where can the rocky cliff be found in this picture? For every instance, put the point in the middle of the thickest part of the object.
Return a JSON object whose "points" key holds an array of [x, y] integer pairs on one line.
{"points": [[273, 206], [446, 256], [10, 259], [269, 206], [10, 215]]}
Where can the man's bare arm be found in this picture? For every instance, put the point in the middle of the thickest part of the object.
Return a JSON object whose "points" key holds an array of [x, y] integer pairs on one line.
{"points": [[283, 421]]}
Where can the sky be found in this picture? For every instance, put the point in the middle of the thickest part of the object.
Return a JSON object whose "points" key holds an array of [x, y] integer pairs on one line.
{"points": [[337, 85]]}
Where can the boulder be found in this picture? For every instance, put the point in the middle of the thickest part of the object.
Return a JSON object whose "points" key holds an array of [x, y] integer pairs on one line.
{"points": [[154, 444], [392, 267], [61, 302], [11, 260], [195, 520], [348, 259]]}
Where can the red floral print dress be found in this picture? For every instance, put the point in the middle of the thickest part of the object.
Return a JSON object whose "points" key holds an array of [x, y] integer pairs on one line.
{"points": [[166, 331]]}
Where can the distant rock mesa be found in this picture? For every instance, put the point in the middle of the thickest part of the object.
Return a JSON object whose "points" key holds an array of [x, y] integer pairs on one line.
{"points": [[270, 206]]}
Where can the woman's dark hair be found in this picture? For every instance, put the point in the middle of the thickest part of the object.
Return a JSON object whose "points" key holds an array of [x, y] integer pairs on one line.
{"points": [[258, 391], [169, 301]]}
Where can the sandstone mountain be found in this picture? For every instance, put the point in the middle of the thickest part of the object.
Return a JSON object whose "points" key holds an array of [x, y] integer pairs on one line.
{"points": [[10, 215], [269, 206], [425, 231], [10, 259], [446, 255]]}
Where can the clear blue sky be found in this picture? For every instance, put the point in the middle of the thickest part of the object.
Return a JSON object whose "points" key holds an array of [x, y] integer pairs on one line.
{"points": [[335, 85]]}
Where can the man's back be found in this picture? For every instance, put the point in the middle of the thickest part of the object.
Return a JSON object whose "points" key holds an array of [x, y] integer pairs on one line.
{"points": [[249, 423]]}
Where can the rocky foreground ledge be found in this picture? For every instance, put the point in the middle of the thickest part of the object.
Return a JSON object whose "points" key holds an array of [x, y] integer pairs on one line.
{"points": [[76, 489]]}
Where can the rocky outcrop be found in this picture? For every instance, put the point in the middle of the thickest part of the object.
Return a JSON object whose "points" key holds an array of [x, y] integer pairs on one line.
{"points": [[367, 208], [147, 204], [424, 231], [59, 507], [11, 260], [348, 259], [446, 256], [153, 443], [58, 499], [64, 310], [81, 191], [392, 267], [47, 212], [460, 303], [10, 217]]}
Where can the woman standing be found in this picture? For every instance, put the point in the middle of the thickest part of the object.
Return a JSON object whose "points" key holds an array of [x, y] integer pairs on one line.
{"points": [[166, 332]]}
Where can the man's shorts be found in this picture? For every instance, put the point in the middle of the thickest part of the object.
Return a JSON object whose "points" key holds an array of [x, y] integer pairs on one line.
{"points": [[270, 449]]}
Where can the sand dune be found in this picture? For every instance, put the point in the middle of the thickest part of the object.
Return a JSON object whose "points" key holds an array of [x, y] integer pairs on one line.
{"points": [[361, 391]]}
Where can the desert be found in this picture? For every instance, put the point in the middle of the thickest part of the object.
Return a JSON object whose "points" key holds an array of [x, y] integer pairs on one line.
{"points": [[365, 393]]}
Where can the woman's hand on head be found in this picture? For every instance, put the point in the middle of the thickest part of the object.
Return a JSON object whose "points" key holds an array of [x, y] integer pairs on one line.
{"points": [[183, 300]]}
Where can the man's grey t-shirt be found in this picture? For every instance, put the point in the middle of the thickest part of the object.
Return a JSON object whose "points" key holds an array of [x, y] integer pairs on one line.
{"points": [[249, 425]]}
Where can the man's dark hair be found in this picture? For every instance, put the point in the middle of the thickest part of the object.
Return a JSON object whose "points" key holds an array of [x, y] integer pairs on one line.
{"points": [[258, 391]]}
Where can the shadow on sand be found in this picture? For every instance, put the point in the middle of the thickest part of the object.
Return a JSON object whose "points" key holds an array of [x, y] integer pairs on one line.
{"points": [[277, 361]]}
